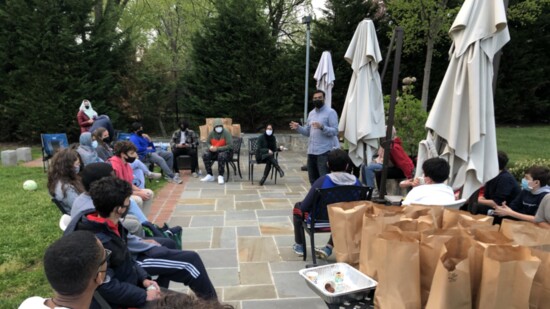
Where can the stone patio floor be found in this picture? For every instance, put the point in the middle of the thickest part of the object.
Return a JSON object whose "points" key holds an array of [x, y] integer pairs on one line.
{"points": [[244, 233]]}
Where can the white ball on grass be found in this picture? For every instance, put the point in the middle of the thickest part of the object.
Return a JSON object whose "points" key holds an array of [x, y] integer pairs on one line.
{"points": [[30, 185]]}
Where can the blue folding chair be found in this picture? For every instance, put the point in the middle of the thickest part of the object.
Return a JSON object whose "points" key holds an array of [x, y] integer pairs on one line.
{"points": [[121, 136], [51, 143]]}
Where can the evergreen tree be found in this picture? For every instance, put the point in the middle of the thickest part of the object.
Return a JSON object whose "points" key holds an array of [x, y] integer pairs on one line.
{"points": [[232, 61], [52, 57]]}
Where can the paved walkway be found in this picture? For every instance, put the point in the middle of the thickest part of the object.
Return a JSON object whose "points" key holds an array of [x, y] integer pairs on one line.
{"points": [[244, 234]]}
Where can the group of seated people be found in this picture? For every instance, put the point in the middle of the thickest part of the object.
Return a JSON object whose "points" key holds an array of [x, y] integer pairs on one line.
{"points": [[502, 196], [100, 199]]}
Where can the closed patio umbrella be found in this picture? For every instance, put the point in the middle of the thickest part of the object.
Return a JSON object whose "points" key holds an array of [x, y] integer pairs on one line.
{"points": [[462, 117], [363, 119], [324, 75]]}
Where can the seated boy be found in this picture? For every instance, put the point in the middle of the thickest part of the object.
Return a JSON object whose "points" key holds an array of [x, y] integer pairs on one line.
{"points": [[534, 187], [432, 191], [502, 188], [337, 164]]}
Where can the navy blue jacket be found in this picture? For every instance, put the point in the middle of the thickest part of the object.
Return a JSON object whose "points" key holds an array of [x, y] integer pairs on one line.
{"points": [[528, 203], [124, 288], [502, 188]]}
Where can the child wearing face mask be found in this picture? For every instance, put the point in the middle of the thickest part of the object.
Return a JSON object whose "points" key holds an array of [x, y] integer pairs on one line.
{"points": [[534, 187]]}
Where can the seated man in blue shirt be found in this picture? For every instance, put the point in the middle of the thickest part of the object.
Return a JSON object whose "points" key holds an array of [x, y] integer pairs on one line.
{"points": [[147, 153]]}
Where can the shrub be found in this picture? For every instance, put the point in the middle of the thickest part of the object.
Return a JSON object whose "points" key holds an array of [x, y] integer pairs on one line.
{"points": [[518, 168], [410, 119]]}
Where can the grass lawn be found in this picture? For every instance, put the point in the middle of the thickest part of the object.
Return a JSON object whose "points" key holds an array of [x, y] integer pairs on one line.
{"points": [[521, 143], [29, 219]]}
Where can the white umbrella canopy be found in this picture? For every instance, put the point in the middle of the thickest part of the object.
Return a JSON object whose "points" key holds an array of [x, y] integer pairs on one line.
{"points": [[324, 75], [462, 117], [363, 119]]}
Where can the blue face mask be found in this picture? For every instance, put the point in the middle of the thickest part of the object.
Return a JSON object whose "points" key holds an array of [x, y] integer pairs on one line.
{"points": [[94, 144], [77, 169], [525, 185]]}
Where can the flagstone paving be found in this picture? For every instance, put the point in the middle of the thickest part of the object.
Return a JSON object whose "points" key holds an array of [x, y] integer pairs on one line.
{"points": [[244, 234]]}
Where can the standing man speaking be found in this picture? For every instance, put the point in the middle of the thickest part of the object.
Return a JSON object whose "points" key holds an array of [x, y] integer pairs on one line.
{"points": [[322, 130]]}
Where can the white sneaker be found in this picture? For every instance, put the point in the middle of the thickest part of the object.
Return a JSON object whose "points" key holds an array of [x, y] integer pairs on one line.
{"points": [[220, 180], [154, 175], [208, 177]]}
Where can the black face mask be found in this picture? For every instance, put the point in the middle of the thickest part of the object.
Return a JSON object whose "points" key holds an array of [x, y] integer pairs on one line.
{"points": [[106, 140], [139, 132], [183, 128], [87, 106], [318, 103], [130, 159]]}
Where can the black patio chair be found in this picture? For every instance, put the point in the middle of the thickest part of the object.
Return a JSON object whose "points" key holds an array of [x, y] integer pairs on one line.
{"points": [[317, 220]]}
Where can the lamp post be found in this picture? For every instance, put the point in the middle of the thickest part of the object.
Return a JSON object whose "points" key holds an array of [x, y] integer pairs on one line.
{"points": [[306, 20]]}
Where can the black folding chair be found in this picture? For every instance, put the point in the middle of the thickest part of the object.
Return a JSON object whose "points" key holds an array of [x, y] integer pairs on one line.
{"points": [[235, 157], [317, 220], [51, 143]]}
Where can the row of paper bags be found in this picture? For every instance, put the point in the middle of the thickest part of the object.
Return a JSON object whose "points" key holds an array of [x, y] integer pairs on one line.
{"points": [[431, 257]]}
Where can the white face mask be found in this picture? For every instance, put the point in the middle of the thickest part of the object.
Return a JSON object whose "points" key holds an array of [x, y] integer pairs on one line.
{"points": [[94, 144], [219, 129], [269, 132]]}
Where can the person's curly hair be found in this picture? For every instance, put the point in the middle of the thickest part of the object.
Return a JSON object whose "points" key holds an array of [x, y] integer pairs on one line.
{"points": [[61, 169], [173, 300]]}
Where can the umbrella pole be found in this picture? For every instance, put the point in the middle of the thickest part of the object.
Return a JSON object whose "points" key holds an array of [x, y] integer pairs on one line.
{"points": [[398, 34], [306, 20]]}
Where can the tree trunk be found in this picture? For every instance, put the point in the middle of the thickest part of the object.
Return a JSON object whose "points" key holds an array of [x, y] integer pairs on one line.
{"points": [[427, 70]]}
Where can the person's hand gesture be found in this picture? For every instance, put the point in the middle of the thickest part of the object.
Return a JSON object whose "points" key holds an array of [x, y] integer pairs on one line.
{"points": [[503, 210], [294, 125]]}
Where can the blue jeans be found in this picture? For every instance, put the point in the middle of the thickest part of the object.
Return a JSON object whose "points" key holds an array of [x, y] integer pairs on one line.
{"points": [[140, 170], [369, 173], [317, 166]]}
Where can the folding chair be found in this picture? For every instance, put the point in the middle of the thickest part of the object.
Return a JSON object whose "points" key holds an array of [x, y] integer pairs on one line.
{"points": [[122, 136], [317, 220], [252, 148], [51, 143], [235, 157]]}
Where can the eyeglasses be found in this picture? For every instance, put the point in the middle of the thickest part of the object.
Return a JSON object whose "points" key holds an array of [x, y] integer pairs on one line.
{"points": [[107, 257], [124, 206]]}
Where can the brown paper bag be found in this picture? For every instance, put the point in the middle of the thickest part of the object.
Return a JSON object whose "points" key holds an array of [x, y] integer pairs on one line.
{"points": [[540, 291], [451, 282], [399, 271], [507, 276], [431, 244], [451, 218], [375, 220], [210, 121], [227, 121], [346, 223], [204, 132], [228, 128], [236, 130], [525, 233], [429, 214]]}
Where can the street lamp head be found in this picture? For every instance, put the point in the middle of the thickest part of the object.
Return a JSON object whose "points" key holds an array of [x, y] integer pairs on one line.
{"points": [[306, 19]]}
